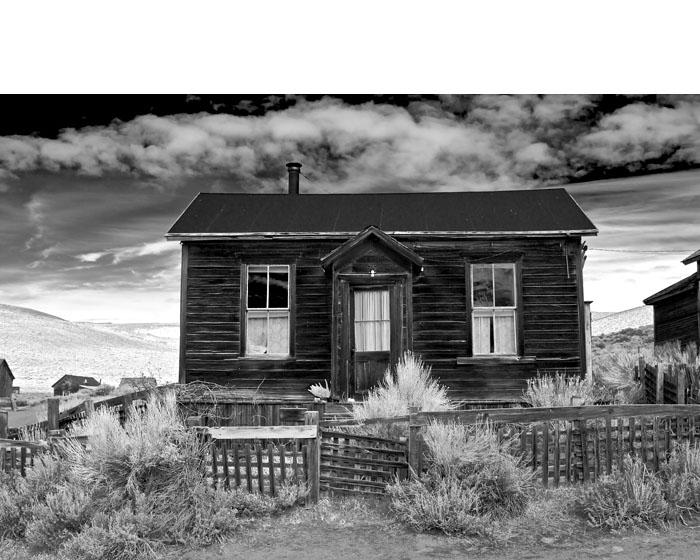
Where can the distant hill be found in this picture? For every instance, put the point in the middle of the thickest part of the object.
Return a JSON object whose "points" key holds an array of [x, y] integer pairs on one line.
{"points": [[629, 319], [40, 348]]}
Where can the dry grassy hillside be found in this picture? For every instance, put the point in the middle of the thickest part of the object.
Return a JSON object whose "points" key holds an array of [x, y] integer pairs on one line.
{"points": [[40, 348]]}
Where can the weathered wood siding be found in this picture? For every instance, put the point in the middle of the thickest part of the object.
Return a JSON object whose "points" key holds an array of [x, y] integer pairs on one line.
{"points": [[676, 318], [435, 303], [5, 380]]}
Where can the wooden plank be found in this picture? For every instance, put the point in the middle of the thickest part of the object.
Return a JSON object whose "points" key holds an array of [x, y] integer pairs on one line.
{"points": [[283, 462], [271, 468], [237, 466], [259, 459], [656, 445], [584, 450], [632, 435], [263, 432], [224, 453], [214, 466], [248, 466], [608, 446], [557, 454], [23, 461], [545, 454]]}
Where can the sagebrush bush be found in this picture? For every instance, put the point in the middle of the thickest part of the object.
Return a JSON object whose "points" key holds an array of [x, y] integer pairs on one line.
{"points": [[613, 374], [557, 390], [472, 481], [629, 498], [410, 384]]}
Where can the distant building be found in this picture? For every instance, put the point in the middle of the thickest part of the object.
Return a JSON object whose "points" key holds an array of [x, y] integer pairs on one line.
{"points": [[138, 383], [72, 384], [6, 379], [677, 309]]}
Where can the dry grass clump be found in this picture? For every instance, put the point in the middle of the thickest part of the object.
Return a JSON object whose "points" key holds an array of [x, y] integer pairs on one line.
{"points": [[558, 390], [614, 374], [472, 483], [409, 385]]}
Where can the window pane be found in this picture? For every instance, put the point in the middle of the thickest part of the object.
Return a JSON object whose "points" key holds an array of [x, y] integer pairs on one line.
{"points": [[504, 333], [505, 286], [279, 287], [257, 287], [482, 285], [372, 324], [278, 336], [256, 333], [481, 339]]}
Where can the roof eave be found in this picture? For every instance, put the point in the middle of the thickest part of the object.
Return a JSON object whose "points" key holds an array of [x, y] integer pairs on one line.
{"points": [[305, 234]]}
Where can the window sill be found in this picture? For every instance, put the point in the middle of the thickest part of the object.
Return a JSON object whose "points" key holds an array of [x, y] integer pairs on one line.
{"points": [[465, 360]]}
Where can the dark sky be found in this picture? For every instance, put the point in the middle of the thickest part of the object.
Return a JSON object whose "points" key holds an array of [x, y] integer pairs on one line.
{"points": [[89, 184]]}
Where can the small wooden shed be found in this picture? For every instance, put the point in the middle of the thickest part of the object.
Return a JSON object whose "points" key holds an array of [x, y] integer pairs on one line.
{"points": [[677, 308], [72, 384], [6, 379]]}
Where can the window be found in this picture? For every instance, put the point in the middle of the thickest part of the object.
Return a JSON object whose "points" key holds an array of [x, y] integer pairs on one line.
{"points": [[267, 310], [494, 309]]}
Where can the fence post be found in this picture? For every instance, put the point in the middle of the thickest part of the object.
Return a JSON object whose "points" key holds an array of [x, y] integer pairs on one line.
{"points": [[53, 413], [659, 384], [640, 371], [314, 457], [415, 451], [680, 383], [89, 407], [4, 415], [127, 400]]}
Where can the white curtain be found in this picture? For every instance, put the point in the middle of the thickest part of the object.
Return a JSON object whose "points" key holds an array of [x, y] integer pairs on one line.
{"points": [[482, 335], [372, 321], [267, 332], [494, 333], [504, 333]]}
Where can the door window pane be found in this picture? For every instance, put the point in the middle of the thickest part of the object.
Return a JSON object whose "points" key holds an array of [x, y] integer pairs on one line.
{"points": [[372, 321]]}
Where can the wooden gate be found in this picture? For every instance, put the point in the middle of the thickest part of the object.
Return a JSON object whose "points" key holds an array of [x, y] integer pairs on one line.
{"points": [[352, 464]]}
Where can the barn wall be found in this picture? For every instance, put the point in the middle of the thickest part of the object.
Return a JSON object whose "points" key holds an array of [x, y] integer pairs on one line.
{"points": [[676, 318], [440, 329]]}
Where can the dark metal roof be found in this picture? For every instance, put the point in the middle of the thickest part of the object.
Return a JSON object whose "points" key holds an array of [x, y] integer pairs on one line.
{"points": [[545, 211], [672, 290]]}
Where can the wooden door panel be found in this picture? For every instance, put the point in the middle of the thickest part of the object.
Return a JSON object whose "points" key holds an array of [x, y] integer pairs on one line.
{"points": [[369, 370]]}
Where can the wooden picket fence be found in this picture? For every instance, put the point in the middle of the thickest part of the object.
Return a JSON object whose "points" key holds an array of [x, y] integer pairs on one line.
{"points": [[576, 444], [262, 458]]}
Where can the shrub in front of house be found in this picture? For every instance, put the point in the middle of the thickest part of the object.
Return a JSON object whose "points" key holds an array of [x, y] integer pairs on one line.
{"points": [[472, 481]]}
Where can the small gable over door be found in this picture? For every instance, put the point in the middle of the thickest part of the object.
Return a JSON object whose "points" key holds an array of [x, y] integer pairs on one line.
{"points": [[372, 285]]}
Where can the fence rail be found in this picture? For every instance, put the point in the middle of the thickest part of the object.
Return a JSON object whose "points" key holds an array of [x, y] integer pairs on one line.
{"points": [[18, 455]]}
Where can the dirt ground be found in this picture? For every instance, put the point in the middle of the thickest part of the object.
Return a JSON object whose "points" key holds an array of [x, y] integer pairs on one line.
{"points": [[321, 541]]}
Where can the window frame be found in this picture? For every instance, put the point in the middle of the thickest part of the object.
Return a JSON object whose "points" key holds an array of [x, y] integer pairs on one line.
{"points": [[516, 263], [290, 309]]}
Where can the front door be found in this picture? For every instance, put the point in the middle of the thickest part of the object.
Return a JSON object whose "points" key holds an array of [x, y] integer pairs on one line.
{"points": [[373, 336]]}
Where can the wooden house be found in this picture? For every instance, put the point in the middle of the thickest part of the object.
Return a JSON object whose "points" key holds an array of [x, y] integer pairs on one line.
{"points": [[280, 291], [6, 379], [677, 308], [72, 384]]}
